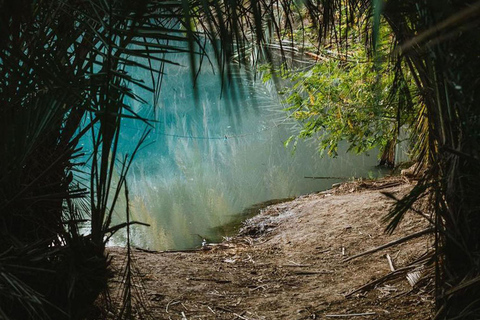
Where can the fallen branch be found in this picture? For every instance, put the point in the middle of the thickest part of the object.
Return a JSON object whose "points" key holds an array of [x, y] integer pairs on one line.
{"points": [[207, 279], [146, 250], [400, 294], [350, 315], [386, 185], [307, 273], [391, 243], [389, 276]]}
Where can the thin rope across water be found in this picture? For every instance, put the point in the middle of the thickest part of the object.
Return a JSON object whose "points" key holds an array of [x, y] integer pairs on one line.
{"points": [[224, 137]]}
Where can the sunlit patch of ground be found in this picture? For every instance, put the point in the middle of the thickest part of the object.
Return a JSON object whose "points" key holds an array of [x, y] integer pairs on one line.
{"points": [[288, 263]]}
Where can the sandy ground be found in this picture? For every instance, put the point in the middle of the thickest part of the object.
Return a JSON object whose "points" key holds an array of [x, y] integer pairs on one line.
{"points": [[289, 263]]}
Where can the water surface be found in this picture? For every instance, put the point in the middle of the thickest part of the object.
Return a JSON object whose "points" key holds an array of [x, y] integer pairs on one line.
{"points": [[210, 158]]}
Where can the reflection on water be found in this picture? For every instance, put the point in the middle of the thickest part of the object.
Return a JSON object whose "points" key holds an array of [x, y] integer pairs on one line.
{"points": [[207, 161]]}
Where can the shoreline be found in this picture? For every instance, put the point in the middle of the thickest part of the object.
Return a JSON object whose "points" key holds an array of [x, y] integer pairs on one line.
{"points": [[288, 262]]}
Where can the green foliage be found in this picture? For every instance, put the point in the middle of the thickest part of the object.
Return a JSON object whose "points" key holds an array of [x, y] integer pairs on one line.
{"points": [[337, 101], [346, 99]]}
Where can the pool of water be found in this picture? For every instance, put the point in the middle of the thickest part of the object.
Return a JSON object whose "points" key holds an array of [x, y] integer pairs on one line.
{"points": [[213, 154]]}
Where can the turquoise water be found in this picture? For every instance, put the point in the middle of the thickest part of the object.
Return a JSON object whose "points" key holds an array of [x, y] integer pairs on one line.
{"points": [[208, 159]]}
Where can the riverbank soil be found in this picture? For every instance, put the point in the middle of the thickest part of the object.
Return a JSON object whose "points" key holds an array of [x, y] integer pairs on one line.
{"points": [[289, 263]]}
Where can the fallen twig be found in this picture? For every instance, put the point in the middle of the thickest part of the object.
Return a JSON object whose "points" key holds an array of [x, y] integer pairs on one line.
{"points": [[404, 293], [172, 302], [390, 262], [386, 185], [145, 250], [307, 273], [392, 243], [239, 316], [350, 315], [258, 287], [211, 309], [207, 279]]}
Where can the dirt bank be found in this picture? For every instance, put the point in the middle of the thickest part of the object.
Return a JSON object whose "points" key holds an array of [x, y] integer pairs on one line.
{"points": [[288, 263]]}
